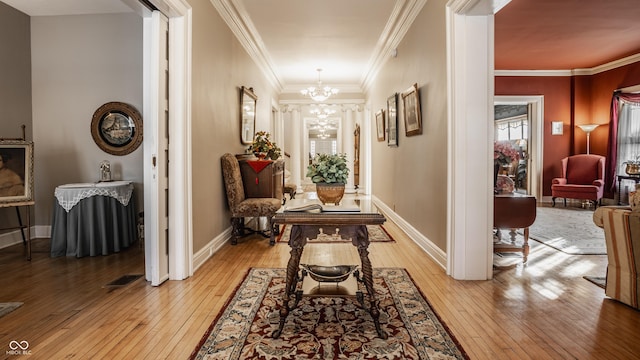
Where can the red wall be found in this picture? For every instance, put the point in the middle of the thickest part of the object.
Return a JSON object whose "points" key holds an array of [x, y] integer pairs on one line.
{"points": [[574, 100]]}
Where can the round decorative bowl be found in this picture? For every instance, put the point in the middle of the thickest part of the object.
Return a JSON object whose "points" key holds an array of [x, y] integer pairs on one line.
{"points": [[338, 273], [632, 169], [330, 193]]}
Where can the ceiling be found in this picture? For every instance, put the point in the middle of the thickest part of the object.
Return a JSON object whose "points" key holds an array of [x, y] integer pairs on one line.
{"points": [[296, 37]]}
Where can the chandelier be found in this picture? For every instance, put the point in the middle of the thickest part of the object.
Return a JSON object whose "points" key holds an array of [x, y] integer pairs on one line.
{"points": [[322, 113], [319, 93]]}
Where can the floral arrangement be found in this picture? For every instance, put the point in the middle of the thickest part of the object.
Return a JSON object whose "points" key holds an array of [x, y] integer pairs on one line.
{"points": [[325, 168], [504, 153], [262, 144]]}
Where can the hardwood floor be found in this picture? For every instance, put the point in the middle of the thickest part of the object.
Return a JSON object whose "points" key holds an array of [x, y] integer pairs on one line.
{"points": [[544, 310]]}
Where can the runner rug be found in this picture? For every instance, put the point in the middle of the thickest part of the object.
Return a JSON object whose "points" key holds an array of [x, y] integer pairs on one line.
{"points": [[327, 327], [377, 233]]}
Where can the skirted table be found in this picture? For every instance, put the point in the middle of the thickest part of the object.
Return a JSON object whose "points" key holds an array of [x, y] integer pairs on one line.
{"points": [[93, 219]]}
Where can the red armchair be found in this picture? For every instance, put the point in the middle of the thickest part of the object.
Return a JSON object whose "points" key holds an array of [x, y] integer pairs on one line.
{"points": [[582, 178]]}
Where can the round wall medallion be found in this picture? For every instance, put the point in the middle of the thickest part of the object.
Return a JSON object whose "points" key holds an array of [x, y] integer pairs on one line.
{"points": [[117, 128]]}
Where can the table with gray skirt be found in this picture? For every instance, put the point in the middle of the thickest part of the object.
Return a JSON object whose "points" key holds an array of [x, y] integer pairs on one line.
{"points": [[91, 219]]}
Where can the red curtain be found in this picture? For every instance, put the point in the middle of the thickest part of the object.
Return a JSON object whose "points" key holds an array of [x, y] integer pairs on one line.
{"points": [[612, 146]]}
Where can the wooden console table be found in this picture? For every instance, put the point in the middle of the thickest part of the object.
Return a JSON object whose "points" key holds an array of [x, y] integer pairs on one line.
{"points": [[514, 211], [307, 225]]}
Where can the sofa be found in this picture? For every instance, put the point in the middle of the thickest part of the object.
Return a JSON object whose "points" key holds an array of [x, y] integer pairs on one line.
{"points": [[622, 234]]}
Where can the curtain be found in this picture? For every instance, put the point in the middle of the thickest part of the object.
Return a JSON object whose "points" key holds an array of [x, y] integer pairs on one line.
{"points": [[621, 104]]}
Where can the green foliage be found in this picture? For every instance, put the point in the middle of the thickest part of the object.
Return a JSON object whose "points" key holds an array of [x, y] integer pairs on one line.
{"points": [[262, 143], [328, 169]]}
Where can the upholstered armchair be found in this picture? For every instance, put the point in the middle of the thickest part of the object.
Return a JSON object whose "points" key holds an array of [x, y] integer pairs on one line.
{"points": [[582, 178], [242, 207], [622, 234]]}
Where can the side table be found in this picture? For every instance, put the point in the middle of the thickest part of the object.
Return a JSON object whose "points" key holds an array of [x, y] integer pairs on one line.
{"points": [[635, 178]]}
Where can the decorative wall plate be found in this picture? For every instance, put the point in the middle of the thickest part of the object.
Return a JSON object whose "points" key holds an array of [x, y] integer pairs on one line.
{"points": [[116, 128]]}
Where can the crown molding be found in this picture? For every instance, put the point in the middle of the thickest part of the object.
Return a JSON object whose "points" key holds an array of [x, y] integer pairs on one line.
{"points": [[234, 14], [575, 72], [402, 16]]}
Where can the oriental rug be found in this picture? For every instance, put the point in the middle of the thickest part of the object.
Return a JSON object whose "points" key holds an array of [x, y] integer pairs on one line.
{"points": [[8, 307], [377, 233], [327, 327], [569, 230]]}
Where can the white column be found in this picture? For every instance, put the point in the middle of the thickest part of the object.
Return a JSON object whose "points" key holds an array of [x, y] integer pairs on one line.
{"points": [[347, 127], [297, 150]]}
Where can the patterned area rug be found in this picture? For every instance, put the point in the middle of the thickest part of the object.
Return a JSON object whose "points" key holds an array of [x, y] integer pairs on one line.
{"points": [[6, 308], [327, 327], [377, 233], [571, 231]]}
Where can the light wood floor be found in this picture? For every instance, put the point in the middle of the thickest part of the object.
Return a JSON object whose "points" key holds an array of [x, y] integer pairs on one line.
{"points": [[543, 310]]}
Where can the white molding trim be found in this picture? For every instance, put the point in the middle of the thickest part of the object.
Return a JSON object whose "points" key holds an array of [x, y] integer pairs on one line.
{"points": [[439, 256], [400, 21], [574, 72], [238, 21], [211, 248], [14, 237]]}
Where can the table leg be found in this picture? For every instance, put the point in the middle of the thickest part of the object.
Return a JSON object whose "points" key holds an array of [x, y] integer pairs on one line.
{"points": [[525, 245], [361, 241], [619, 191], [296, 242]]}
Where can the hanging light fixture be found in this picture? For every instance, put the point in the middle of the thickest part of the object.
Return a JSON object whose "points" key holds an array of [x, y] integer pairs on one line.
{"points": [[319, 93], [322, 113]]}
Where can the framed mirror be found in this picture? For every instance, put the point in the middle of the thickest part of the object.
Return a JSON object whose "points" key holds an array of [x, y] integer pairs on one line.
{"points": [[116, 128], [247, 115]]}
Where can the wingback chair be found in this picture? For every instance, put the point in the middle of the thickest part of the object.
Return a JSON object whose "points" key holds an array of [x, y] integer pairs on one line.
{"points": [[622, 234], [582, 178], [242, 207]]}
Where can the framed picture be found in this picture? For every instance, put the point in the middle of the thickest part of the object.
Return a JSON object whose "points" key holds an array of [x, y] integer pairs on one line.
{"points": [[412, 112], [380, 124], [117, 128], [16, 172], [392, 120], [557, 127]]}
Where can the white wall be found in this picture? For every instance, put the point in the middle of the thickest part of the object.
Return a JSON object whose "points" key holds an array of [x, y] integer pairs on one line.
{"points": [[79, 63], [411, 179]]}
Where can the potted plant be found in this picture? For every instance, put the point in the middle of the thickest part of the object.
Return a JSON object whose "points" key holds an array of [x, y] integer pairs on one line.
{"points": [[329, 172], [262, 146]]}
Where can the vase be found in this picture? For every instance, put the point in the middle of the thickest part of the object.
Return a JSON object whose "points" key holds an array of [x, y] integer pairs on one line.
{"points": [[632, 169], [260, 155], [330, 193]]}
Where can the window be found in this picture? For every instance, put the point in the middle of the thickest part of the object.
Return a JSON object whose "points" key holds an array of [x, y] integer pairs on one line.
{"points": [[628, 134], [511, 129]]}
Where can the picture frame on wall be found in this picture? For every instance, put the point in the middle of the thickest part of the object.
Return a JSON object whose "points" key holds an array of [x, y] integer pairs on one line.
{"points": [[411, 111], [16, 172], [392, 120], [380, 128]]}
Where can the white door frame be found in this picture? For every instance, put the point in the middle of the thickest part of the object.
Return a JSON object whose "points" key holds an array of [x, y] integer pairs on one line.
{"points": [[180, 195]]}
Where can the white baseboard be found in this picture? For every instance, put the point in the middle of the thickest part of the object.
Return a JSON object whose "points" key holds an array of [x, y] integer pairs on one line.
{"points": [[439, 256], [211, 248], [15, 237]]}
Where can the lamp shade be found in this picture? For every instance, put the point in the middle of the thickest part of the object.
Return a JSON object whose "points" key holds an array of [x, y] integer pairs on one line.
{"points": [[588, 127]]}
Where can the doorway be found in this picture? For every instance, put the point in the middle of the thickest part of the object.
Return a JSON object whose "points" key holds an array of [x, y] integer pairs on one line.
{"points": [[534, 106]]}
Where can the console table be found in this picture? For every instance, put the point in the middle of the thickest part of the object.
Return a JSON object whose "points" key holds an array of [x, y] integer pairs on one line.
{"points": [[92, 219], [307, 225], [262, 178], [514, 211]]}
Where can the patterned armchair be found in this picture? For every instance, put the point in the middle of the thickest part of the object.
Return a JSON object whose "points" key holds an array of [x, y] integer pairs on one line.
{"points": [[582, 178], [622, 234], [241, 206]]}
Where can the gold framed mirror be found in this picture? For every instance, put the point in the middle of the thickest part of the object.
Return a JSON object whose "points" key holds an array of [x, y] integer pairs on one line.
{"points": [[248, 102]]}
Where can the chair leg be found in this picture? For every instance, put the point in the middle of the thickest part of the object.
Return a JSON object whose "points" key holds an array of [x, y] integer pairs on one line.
{"points": [[565, 202], [553, 199], [275, 230], [237, 229]]}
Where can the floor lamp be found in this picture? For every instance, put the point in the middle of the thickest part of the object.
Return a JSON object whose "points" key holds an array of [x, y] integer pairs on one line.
{"points": [[588, 128]]}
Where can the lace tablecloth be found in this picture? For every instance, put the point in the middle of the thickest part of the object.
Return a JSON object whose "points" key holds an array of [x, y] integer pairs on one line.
{"points": [[69, 195]]}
